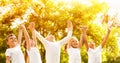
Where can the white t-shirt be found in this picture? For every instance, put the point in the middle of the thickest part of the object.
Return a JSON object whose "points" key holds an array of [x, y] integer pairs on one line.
{"points": [[15, 54], [74, 55], [94, 55], [34, 55], [53, 48]]}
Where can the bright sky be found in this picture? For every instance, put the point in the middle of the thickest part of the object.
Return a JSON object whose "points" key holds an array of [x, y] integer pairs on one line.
{"points": [[114, 9]]}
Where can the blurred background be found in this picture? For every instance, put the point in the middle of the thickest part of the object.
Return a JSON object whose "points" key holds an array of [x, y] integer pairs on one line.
{"points": [[50, 16]]}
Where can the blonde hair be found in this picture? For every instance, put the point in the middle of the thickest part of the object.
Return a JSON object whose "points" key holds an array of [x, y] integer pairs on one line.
{"points": [[74, 38], [65, 47]]}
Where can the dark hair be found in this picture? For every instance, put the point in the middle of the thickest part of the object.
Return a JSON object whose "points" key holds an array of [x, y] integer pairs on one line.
{"points": [[9, 36], [65, 47], [26, 56], [25, 52]]}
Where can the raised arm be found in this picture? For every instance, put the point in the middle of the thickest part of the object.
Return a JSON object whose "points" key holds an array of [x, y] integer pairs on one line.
{"points": [[85, 37], [37, 34], [33, 33], [64, 40], [27, 37], [80, 42], [41, 38], [20, 35], [107, 35], [68, 44]]}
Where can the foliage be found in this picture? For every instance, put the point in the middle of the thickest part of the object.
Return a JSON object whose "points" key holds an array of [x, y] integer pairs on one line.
{"points": [[50, 17]]}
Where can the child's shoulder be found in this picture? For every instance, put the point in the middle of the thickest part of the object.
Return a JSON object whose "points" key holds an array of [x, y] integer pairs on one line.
{"points": [[9, 49]]}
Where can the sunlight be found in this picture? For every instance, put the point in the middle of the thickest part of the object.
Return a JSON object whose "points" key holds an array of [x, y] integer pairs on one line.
{"points": [[67, 0], [98, 19], [16, 22], [113, 3], [5, 9], [86, 2], [70, 3], [118, 42], [60, 34], [38, 2], [114, 10]]}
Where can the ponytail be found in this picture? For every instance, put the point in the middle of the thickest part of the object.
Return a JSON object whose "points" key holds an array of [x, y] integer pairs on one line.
{"points": [[65, 48], [25, 53], [26, 56]]}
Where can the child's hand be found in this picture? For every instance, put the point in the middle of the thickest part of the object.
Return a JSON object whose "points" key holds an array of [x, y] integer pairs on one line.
{"points": [[22, 26], [69, 26], [83, 28], [31, 26]]}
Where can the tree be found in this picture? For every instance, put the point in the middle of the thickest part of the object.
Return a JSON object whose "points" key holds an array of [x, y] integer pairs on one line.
{"points": [[50, 17]]}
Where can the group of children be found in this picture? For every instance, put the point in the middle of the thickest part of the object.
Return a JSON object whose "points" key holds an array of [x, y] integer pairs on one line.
{"points": [[32, 55]]}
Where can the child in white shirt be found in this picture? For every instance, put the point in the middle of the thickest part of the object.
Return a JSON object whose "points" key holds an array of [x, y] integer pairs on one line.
{"points": [[94, 54], [52, 47], [73, 49], [31, 46], [14, 53]]}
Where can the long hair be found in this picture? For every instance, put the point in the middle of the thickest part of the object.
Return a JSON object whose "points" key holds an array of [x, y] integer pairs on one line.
{"points": [[26, 57], [25, 53], [65, 47]]}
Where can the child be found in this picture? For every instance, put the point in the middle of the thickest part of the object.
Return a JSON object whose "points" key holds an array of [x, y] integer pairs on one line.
{"points": [[73, 49], [52, 47], [94, 54], [31, 46], [14, 53]]}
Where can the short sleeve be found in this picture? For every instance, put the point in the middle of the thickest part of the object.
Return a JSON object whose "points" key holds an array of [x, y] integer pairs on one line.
{"points": [[8, 52]]}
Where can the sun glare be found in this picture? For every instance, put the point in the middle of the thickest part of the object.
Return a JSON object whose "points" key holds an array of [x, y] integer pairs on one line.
{"points": [[19, 21], [15, 23], [114, 9], [119, 42], [5, 9], [113, 12]]}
